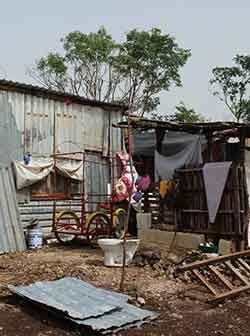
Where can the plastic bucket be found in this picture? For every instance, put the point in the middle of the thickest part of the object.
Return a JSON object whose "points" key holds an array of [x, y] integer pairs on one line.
{"points": [[35, 237]]}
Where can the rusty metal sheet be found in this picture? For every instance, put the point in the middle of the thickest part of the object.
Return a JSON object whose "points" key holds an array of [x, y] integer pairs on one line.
{"points": [[11, 231], [77, 126]]}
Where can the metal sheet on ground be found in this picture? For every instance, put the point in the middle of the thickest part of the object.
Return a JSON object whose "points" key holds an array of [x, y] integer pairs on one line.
{"points": [[99, 309], [77, 299]]}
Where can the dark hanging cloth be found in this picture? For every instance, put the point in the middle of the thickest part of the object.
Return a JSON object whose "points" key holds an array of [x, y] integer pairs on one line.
{"points": [[233, 151]]}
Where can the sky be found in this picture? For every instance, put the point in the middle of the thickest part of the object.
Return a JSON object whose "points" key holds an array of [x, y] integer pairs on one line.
{"points": [[215, 31]]}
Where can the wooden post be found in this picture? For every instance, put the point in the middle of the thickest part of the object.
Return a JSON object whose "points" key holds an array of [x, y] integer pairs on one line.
{"points": [[237, 214], [129, 210], [146, 202], [209, 147]]}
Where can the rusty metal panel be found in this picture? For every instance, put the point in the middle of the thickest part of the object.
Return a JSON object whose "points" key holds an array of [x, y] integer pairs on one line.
{"points": [[69, 127], [116, 138], [77, 127], [11, 231]]}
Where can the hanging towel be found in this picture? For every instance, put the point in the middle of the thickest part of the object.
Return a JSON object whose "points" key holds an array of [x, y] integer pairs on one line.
{"points": [[215, 177]]}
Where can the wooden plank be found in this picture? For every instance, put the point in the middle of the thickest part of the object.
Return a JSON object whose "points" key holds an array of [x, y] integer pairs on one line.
{"points": [[203, 280], [221, 277], [215, 260], [196, 211], [238, 223], [244, 264], [229, 294], [237, 273]]}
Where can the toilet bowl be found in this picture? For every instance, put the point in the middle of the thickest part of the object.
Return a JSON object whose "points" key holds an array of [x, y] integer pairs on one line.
{"points": [[113, 250]]}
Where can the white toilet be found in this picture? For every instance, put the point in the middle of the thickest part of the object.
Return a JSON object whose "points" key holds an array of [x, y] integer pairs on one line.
{"points": [[113, 250]]}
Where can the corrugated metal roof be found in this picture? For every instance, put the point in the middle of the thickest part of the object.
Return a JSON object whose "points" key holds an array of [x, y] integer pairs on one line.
{"points": [[11, 231], [200, 127], [42, 92], [100, 309]]}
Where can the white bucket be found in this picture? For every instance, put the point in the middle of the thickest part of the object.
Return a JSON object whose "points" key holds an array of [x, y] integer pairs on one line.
{"points": [[35, 237]]}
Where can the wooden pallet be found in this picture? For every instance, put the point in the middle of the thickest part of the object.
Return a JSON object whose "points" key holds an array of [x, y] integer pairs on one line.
{"points": [[224, 276]]}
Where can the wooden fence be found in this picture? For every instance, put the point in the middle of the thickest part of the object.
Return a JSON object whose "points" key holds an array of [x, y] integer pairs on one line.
{"points": [[191, 213]]}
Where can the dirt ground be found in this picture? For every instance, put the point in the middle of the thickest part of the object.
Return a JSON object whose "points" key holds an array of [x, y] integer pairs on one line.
{"points": [[182, 307]]}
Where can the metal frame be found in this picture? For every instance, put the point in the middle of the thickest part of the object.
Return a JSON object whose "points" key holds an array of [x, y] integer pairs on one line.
{"points": [[83, 213]]}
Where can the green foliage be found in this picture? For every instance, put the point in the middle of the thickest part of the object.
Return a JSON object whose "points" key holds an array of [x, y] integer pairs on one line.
{"points": [[54, 71], [185, 114], [182, 114], [231, 86], [133, 72], [149, 62]]}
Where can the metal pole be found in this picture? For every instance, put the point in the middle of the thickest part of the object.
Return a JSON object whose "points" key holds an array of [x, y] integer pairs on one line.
{"points": [[54, 158], [82, 220], [129, 210]]}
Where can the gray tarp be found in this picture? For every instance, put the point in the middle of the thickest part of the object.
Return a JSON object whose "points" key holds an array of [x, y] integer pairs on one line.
{"points": [[178, 150], [215, 177], [144, 142], [188, 153]]}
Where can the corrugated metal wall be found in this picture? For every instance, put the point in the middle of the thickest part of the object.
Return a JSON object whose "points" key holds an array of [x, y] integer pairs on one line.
{"points": [[10, 134], [97, 177], [11, 231], [77, 127]]}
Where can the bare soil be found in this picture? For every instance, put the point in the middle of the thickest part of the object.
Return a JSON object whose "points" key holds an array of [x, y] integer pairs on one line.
{"points": [[182, 306]]}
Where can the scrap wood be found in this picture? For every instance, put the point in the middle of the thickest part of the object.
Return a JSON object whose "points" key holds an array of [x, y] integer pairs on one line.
{"points": [[218, 275]]}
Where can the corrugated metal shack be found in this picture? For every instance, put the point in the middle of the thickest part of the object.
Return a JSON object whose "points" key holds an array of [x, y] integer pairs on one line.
{"points": [[43, 122], [187, 211]]}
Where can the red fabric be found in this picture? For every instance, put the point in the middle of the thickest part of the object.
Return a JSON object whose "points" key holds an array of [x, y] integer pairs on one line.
{"points": [[68, 101], [120, 192]]}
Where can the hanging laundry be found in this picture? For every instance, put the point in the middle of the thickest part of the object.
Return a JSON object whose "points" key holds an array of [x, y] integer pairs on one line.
{"points": [[126, 182], [215, 177], [120, 192], [143, 182], [166, 187]]}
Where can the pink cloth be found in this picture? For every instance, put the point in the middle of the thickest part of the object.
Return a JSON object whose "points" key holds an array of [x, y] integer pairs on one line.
{"points": [[124, 185], [143, 183]]}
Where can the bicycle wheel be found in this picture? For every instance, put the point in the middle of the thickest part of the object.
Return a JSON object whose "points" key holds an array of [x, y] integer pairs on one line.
{"points": [[98, 226], [67, 227], [119, 222]]}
